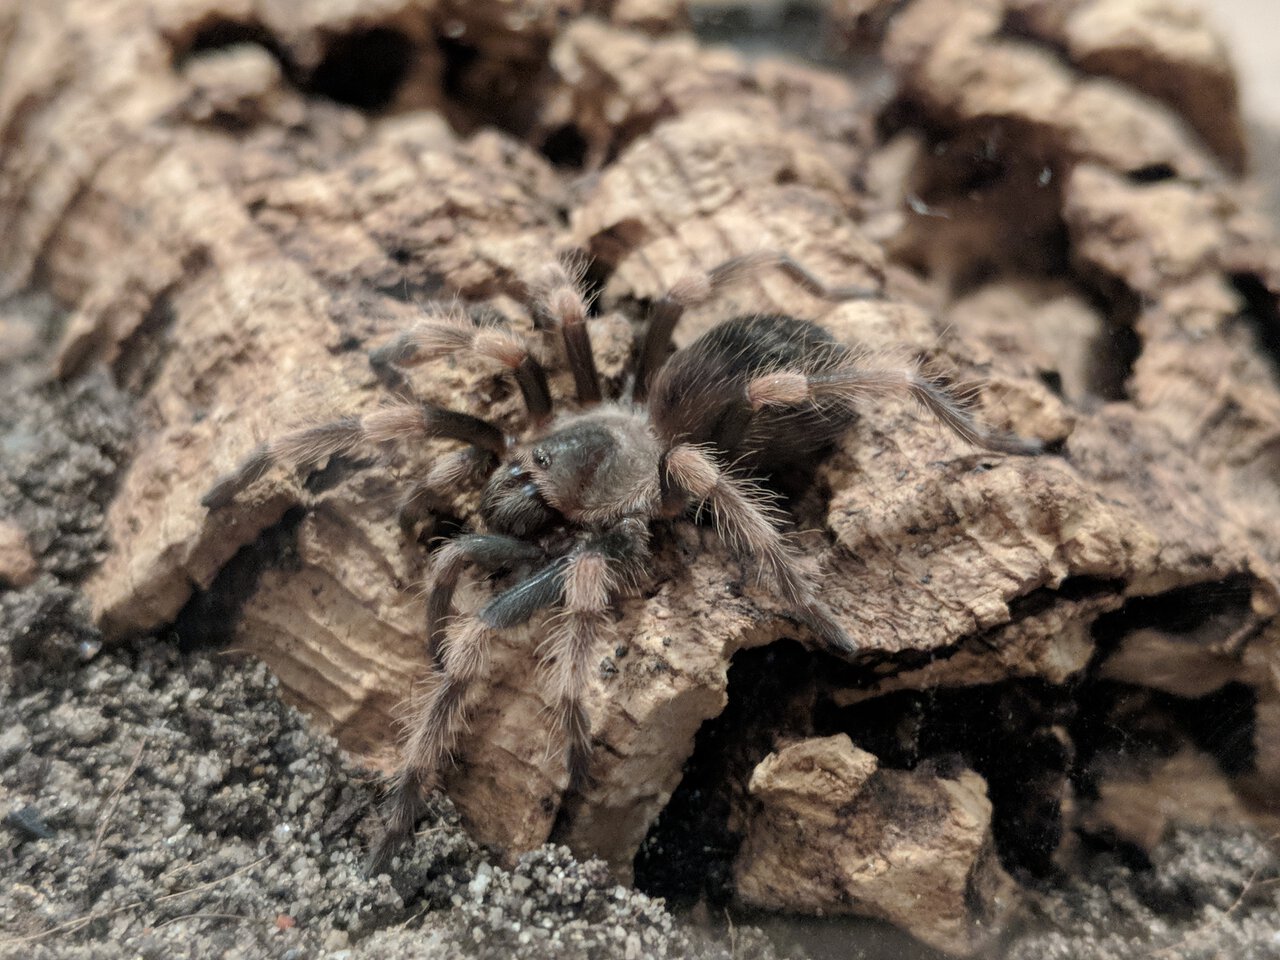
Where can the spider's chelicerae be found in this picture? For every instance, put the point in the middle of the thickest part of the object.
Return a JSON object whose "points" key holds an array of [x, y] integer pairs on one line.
{"points": [[567, 507]]}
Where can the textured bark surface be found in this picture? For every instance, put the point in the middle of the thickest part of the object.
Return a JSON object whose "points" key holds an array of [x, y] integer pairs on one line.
{"points": [[235, 200], [876, 842]]}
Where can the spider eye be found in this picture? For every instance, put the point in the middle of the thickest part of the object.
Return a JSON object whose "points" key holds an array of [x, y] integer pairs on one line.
{"points": [[541, 458], [529, 490]]}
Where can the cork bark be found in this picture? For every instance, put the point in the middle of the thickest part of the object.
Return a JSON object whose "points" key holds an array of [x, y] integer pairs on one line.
{"points": [[886, 839], [235, 200]]}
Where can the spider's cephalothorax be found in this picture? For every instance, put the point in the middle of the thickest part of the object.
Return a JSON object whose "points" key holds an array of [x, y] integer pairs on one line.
{"points": [[567, 509], [592, 468]]}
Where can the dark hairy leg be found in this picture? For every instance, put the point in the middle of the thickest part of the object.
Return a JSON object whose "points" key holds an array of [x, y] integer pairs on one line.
{"points": [[437, 720], [744, 517], [582, 582], [487, 551], [559, 304], [589, 583], [592, 578], [438, 713], [396, 422], [851, 384]]}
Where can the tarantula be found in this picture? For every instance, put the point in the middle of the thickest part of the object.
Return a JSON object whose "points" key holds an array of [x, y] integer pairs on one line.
{"points": [[569, 505]]}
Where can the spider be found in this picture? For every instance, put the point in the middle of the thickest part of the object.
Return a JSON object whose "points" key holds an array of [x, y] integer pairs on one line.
{"points": [[568, 507]]}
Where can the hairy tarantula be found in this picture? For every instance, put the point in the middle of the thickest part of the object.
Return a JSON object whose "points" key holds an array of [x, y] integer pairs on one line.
{"points": [[569, 505]]}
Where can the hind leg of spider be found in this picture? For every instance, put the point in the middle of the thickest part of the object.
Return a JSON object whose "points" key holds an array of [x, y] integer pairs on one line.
{"points": [[698, 288], [396, 422], [850, 384], [745, 519], [438, 714], [447, 332]]}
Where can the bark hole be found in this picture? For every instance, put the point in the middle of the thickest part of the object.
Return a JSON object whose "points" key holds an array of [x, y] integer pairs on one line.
{"points": [[485, 87], [565, 146], [1224, 602], [1116, 348], [364, 69], [1262, 312], [689, 851], [1222, 724], [210, 616], [1152, 173]]}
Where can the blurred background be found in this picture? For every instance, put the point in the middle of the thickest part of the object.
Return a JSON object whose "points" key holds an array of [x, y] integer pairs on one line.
{"points": [[1252, 27]]}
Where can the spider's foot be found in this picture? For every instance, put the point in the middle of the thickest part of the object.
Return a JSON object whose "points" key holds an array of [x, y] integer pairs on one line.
{"points": [[404, 807], [579, 762], [381, 853], [825, 628]]}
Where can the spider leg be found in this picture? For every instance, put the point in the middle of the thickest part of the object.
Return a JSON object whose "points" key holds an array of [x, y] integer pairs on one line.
{"points": [[698, 288], [489, 551], [440, 712], [559, 304], [453, 331], [584, 581], [592, 576], [462, 468], [588, 588], [395, 422], [517, 604], [744, 518], [850, 384], [439, 718]]}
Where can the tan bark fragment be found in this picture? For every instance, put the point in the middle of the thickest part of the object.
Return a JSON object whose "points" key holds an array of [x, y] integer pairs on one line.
{"points": [[1138, 805], [835, 833]]}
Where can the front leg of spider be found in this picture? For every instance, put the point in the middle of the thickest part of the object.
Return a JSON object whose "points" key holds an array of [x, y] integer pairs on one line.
{"points": [[582, 585], [489, 552], [593, 577], [438, 712]]}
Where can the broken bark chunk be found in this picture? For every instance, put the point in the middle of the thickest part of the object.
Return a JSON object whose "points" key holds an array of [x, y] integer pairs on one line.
{"points": [[835, 833]]}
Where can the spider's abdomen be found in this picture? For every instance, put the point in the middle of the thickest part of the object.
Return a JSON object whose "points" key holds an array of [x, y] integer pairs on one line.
{"points": [[700, 394]]}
